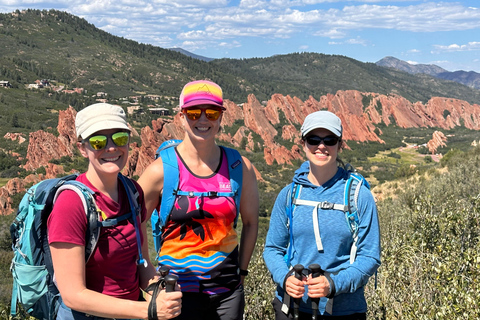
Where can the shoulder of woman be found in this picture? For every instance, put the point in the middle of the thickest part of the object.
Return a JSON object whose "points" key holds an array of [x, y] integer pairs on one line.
{"points": [[154, 169]]}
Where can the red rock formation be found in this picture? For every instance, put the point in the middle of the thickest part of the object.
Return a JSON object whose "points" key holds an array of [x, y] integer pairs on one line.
{"points": [[438, 140], [289, 132], [15, 137], [256, 120], [360, 113], [44, 146]]}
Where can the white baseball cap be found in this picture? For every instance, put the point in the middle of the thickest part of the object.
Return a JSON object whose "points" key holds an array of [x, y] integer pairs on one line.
{"points": [[99, 116]]}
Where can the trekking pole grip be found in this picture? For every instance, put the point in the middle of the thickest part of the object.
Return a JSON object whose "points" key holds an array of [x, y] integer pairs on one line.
{"points": [[164, 270], [316, 271], [298, 268], [170, 282]]}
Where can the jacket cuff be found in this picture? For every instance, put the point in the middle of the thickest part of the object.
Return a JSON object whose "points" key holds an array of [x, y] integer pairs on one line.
{"points": [[332, 285]]}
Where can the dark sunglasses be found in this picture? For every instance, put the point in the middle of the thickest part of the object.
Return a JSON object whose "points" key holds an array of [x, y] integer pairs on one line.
{"points": [[99, 141], [212, 114], [316, 140]]}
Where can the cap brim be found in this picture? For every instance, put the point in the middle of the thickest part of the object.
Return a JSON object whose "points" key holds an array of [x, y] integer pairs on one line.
{"points": [[327, 127], [203, 102]]}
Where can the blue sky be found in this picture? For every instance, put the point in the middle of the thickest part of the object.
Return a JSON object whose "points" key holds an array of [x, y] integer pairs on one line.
{"points": [[445, 33]]}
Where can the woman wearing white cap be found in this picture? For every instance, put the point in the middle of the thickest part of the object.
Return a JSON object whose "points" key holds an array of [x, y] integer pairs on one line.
{"points": [[199, 241], [109, 284], [311, 227]]}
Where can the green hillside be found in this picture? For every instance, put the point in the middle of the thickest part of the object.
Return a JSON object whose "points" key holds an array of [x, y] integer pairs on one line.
{"points": [[59, 46]]}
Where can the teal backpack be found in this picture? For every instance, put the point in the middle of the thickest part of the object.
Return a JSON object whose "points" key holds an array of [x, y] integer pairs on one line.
{"points": [[32, 268], [171, 180]]}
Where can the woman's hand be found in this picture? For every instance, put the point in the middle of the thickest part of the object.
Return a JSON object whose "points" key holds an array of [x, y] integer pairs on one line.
{"points": [[318, 287], [295, 288], [169, 304]]}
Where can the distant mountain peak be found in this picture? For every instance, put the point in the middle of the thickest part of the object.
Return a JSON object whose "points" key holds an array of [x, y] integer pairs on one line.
{"points": [[401, 65], [191, 55], [470, 78]]}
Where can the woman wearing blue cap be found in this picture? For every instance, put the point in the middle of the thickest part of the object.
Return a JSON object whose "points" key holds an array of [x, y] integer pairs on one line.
{"points": [[322, 245]]}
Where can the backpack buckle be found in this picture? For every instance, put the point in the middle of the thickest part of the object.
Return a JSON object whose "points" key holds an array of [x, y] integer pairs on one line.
{"points": [[213, 194], [326, 205], [191, 194]]}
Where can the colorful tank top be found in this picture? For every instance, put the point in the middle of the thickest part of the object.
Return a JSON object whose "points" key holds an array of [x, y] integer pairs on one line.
{"points": [[199, 242]]}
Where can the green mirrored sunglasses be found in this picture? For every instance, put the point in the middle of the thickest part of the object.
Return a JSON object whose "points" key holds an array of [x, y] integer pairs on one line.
{"points": [[99, 141]]}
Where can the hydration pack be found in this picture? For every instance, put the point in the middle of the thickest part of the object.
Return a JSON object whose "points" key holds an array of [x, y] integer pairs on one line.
{"points": [[32, 268], [171, 181], [352, 188]]}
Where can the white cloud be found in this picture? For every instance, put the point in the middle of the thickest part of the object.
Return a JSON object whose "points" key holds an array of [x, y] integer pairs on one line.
{"points": [[471, 46], [350, 41]]}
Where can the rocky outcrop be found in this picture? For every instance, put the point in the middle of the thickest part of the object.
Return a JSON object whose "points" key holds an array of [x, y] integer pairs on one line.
{"points": [[15, 137], [438, 140], [275, 121], [44, 146]]}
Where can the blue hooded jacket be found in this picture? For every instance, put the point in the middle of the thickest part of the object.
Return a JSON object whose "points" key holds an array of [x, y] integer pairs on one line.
{"points": [[349, 279]]}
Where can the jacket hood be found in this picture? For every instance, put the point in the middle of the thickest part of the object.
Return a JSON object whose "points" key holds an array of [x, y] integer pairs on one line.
{"points": [[301, 176]]}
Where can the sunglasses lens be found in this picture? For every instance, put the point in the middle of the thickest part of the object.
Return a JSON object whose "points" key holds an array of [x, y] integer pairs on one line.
{"points": [[193, 114], [316, 140], [120, 138], [98, 142], [330, 141], [212, 114], [313, 140]]}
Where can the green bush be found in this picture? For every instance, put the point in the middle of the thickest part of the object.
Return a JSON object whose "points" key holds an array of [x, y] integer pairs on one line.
{"points": [[430, 259]]}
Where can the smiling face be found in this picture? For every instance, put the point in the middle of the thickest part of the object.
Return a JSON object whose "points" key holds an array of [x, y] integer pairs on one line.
{"points": [[322, 156], [203, 127], [109, 160]]}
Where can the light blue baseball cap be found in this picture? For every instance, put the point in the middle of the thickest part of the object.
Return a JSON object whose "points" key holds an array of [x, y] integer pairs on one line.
{"points": [[322, 119]]}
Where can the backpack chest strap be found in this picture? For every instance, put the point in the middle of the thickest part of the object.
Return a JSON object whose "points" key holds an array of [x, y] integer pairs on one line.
{"points": [[319, 205], [200, 195], [212, 194]]}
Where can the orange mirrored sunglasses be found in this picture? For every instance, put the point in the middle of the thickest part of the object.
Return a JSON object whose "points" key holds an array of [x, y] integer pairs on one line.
{"points": [[212, 114]]}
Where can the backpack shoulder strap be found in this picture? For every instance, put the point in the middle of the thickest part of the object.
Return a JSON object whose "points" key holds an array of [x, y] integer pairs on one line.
{"points": [[132, 194], [90, 208], [170, 183], [292, 195], [235, 172], [352, 190]]}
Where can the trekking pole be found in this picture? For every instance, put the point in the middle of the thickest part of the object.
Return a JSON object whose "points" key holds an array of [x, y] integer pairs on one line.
{"points": [[170, 282], [298, 268], [164, 270], [316, 272]]}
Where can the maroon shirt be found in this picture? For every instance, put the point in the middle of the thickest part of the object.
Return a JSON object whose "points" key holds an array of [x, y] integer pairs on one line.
{"points": [[112, 269]]}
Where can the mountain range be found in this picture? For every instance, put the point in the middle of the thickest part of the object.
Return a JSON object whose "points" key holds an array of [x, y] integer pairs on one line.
{"points": [[41, 44], [468, 78]]}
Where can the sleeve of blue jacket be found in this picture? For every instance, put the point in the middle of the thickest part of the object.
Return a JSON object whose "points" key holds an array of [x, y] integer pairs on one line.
{"points": [[367, 261], [277, 239]]}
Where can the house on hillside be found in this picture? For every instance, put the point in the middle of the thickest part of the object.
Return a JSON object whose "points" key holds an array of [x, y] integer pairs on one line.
{"points": [[35, 86], [159, 111], [134, 110], [5, 84], [42, 83], [74, 90]]}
